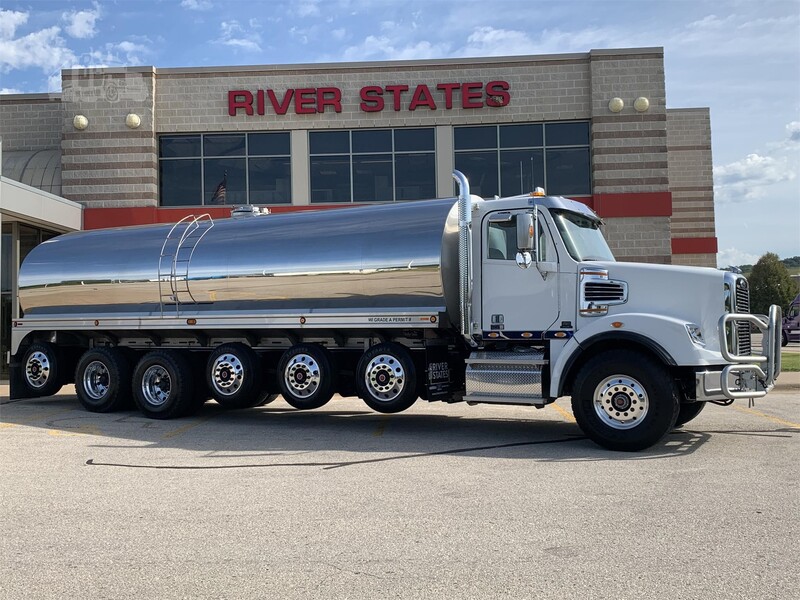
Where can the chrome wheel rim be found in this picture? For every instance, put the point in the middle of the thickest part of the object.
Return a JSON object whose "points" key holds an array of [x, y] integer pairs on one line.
{"points": [[156, 385], [621, 402], [96, 380], [385, 377], [37, 369], [302, 375], [227, 374]]}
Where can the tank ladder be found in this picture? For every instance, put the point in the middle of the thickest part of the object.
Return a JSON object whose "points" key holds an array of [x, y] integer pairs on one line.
{"points": [[176, 255]]}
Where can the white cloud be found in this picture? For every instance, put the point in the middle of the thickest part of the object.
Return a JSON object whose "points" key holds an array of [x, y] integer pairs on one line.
{"points": [[44, 49], [81, 23], [732, 257], [339, 34], [196, 4], [9, 21], [305, 8], [385, 48], [10, 91], [793, 131], [747, 179], [235, 36]]}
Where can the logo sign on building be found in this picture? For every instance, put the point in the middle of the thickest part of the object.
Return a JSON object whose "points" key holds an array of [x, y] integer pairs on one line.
{"points": [[372, 98]]}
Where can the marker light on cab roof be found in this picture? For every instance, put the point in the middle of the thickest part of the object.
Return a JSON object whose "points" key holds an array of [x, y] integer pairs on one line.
{"points": [[537, 192]]}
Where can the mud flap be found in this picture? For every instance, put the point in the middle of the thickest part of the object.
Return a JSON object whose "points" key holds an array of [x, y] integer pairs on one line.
{"points": [[437, 372]]}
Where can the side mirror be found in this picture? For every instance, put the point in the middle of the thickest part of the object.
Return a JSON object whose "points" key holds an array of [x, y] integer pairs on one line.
{"points": [[526, 232]]}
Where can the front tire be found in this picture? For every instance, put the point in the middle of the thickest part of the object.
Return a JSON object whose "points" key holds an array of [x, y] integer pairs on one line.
{"points": [[624, 401], [41, 370], [386, 378], [689, 411], [163, 387], [306, 376], [103, 380]]}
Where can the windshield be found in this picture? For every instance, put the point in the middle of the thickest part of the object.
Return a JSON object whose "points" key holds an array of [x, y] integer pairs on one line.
{"points": [[582, 236]]}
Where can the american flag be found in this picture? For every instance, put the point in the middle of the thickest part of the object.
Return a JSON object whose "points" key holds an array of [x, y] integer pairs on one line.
{"points": [[218, 197]]}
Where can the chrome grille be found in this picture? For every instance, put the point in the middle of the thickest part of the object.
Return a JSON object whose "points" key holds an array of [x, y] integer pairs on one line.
{"points": [[603, 291], [742, 305]]}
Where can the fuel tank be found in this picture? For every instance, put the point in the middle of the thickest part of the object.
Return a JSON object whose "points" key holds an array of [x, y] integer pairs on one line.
{"points": [[402, 255]]}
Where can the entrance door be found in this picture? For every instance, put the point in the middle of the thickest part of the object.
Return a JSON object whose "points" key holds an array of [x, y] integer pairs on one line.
{"points": [[517, 303]]}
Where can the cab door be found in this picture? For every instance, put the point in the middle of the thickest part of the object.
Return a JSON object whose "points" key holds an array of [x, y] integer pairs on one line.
{"points": [[518, 303]]}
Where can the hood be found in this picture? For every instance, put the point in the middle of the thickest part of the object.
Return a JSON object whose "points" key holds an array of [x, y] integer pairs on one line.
{"points": [[689, 294]]}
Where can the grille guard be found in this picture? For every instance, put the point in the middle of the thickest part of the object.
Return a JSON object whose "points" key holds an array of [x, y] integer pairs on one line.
{"points": [[763, 369]]}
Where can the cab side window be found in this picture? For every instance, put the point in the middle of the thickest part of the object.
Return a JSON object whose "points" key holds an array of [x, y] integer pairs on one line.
{"points": [[502, 240]]}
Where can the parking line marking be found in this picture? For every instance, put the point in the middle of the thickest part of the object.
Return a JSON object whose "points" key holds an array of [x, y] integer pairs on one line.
{"points": [[564, 413], [758, 413], [381, 426], [185, 428]]}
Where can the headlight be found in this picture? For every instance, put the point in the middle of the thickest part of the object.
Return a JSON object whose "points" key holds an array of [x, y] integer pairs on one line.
{"points": [[695, 334]]}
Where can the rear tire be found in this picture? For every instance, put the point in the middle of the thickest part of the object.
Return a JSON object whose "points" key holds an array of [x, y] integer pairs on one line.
{"points": [[624, 401], [162, 385], [689, 411], [386, 378], [306, 376], [41, 370], [784, 339], [233, 376], [103, 380]]}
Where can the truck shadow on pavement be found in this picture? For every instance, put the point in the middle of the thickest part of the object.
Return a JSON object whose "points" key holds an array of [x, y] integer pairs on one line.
{"points": [[277, 436]]}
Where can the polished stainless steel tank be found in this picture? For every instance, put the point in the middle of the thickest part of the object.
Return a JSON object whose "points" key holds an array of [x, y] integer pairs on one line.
{"points": [[401, 255]]}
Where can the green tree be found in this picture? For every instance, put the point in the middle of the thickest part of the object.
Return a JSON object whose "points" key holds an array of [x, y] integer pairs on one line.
{"points": [[770, 283]]}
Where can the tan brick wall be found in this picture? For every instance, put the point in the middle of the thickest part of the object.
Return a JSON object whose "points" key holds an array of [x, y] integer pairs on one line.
{"points": [[30, 122], [691, 180], [109, 164], [639, 239], [541, 89]]}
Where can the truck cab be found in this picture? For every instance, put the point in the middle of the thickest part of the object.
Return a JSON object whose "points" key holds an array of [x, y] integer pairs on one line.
{"points": [[790, 330]]}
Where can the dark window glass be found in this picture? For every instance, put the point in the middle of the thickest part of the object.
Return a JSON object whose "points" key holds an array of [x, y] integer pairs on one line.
{"points": [[372, 178], [468, 138], [520, 136], [330, 179], [568, 172], [502, 242], [29, 238], [372, 140], [413, 140], [228, 173], [270, 180], [268, 144], [5, 332], [329, 142], [415, 176], [521, 171], [481, 170], [223, 145], [567, 134], [179, 146], [6, 267], [180, 182]]}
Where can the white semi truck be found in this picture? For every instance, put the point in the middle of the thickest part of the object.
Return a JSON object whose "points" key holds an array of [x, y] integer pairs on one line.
{"points": [[512, 301]]}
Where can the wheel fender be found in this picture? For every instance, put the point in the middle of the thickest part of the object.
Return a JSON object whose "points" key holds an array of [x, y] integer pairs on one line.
{"points": [[665, 336]]}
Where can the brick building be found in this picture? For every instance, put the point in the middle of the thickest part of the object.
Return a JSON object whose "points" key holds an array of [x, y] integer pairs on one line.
{"points": [[143, 145]]}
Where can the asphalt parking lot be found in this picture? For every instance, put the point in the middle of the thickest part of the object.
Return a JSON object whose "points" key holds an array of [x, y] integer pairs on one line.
{"points": [[437, 502]]}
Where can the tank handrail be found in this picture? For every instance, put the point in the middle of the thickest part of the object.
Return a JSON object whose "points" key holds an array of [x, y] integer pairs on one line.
{"points": [[464, 256], [192, 223]]}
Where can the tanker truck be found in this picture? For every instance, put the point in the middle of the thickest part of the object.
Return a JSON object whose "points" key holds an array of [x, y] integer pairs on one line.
{"points": [[509, 301]]}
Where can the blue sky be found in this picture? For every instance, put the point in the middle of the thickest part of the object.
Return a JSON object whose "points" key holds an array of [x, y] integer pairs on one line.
{"points": [[740, 58]]}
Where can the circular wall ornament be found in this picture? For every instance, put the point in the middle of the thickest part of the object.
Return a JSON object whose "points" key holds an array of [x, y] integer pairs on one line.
{"points": [[133, 120], [80, 122], [641, 104], [615, 105]]}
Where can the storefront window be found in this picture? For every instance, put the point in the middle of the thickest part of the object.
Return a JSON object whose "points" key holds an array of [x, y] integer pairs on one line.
{"points": [[506, 160], [372, 165], [225, 168]]}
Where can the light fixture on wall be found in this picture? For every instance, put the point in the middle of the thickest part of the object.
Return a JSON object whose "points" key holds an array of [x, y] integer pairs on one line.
{"points": [[80, 122], [615, 105], [133, 120], [641, 104]]}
